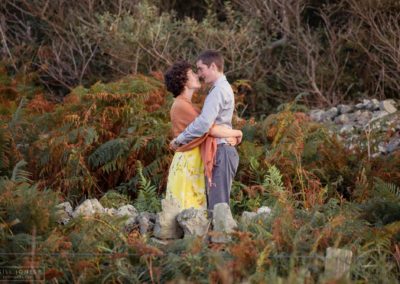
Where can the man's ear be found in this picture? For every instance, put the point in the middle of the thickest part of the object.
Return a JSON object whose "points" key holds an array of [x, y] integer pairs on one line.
{"points": [[213, 66]]}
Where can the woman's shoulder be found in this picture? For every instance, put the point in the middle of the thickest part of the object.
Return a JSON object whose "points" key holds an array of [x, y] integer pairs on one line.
{"points": [[180, 105]]}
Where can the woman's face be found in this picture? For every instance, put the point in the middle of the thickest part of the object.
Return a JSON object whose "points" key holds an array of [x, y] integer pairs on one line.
{"points": [[193, 80]]}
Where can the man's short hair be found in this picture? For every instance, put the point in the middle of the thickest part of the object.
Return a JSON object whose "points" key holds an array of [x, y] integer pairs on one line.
{"points": [[176, 77], [210, 56]]}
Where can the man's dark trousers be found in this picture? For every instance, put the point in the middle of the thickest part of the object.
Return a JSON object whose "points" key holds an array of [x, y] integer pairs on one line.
{"points": [[224, 170]]}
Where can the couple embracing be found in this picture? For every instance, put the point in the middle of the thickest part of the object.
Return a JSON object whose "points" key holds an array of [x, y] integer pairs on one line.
{"points": [[205, 161]]}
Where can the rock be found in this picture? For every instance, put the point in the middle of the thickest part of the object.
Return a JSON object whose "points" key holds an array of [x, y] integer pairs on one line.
{"points": [[223, 223], [348, 128], [359, 106], [88, 208], [167, 226], [110, 211], [131, 213], [387, 105], [247, 217], [194, 222], [393, 145], [337, 263], [127, 210], [382, 148], [342, 109], [64, 213], [379, 114], [264, 210], [146, 222], [316, 115], [364, 118], [330, 114], [372, 105], [342, 119]]}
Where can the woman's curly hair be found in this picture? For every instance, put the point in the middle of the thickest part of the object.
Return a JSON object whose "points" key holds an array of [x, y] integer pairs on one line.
{"points": [[176, 77]]}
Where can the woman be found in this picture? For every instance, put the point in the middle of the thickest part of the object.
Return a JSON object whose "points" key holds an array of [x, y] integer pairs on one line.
{"points": [[186, 179]]}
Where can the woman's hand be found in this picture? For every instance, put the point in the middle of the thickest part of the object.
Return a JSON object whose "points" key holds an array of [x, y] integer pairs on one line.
{"points": [[231, 141], [235, 140]]}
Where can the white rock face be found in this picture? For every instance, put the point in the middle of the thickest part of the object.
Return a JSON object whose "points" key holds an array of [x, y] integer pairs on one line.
{"points": [[194, 222], [167, 226], [131, 213], [223, 223], [387, 105], [64, 213], [146, 222], [264, 210], [88, 208]]}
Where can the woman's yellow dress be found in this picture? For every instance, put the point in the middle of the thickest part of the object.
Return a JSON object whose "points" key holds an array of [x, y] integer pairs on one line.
{"points": [[186, 182]]}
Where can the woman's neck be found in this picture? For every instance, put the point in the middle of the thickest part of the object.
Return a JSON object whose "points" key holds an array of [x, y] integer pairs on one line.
{"points": [[187, 94]]}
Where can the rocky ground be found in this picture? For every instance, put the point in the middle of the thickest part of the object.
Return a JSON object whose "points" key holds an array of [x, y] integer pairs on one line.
{"points": [[377, 122]]}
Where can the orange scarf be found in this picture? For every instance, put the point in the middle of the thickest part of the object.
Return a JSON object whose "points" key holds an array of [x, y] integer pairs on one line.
{"points": [[183, 112]]}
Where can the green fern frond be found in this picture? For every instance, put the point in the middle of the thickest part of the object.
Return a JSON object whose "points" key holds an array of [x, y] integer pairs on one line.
{"points": [[386, 190], [147, 199], [273, 180], [108, 152]]}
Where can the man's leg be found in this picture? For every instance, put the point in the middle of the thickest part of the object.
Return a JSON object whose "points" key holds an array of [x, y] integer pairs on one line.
{"points": [[224, 170]]}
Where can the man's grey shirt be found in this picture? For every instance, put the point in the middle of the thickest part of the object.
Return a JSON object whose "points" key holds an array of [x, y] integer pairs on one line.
{"points": [[218, 108]]}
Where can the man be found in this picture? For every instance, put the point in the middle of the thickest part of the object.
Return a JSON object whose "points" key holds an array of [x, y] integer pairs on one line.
{"points": [[218, 108]]}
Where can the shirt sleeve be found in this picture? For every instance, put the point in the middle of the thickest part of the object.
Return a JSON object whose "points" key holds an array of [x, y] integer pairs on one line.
{"points": [[205, 120]]}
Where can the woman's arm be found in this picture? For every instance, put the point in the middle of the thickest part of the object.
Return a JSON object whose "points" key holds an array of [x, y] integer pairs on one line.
{"points": [[219, 131]]}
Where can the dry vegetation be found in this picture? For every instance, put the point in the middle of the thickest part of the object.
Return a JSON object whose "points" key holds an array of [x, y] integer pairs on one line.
{"points": [[99, 137]]}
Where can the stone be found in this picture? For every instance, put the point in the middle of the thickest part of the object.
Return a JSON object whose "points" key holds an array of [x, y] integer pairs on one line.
{"points": [[342, 109], [248, 217], [337, 263], [393, 144], [110, 211], [194, 222], [342, 119], [379, 114], [388, 105], [264, 210], [382, 148], [330, 114], [167, 226], [359, 106], [348, 128], [372, 105], [88, 208], [64, 213], [316, 115], [146, 222], [131, 213], [127, 210], [223, 223], [364, 118]]}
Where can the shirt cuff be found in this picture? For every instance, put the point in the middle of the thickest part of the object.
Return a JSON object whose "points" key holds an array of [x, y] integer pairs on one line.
{"points": [[178, 140]]}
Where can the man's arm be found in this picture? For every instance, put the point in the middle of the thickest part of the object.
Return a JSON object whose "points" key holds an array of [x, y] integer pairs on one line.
{"points": [[205, 120]]}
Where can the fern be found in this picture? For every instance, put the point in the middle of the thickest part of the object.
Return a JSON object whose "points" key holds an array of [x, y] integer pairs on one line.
{"points": [[384, 206], [108, 152], [273, 180], [386, 190], [147, 199], [19, 175], [17, 116], [5, 148]]}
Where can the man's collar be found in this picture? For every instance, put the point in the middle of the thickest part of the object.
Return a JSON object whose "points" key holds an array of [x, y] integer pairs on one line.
{"points": [[219, 80]]}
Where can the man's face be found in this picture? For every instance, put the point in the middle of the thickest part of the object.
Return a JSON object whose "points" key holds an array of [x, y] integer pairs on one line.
{"points": [[205, 73], [193, 80]]}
